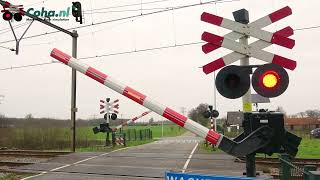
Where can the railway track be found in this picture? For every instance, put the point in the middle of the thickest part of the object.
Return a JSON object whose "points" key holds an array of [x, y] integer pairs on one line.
{"points": [[274, 162], [31, 153], [14, 164], [14, 158]]}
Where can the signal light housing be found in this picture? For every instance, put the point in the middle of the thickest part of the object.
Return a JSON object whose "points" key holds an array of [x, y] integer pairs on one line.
{"points": [[233, 81], [7, 16], [17, 16], [270, 80], [77, 11], [113, 116]]}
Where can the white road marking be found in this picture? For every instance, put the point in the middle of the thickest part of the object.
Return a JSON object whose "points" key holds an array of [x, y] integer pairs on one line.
{"points": [[67, 165], [189, 158], [55, 169]]}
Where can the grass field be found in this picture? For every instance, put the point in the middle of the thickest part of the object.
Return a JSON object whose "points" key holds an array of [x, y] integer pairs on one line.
{"points": [[309, 148], [59, 138], [14, 176]]}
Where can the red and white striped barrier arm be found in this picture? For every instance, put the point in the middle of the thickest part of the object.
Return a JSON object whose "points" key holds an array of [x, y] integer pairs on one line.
{"points": [[131, 120], [234, 56], [248, 50], [210, 135], [259, 23]]}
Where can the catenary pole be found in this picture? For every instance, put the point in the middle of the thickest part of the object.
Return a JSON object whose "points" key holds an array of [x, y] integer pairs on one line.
{"points": [[74, 36], [74, 93]]}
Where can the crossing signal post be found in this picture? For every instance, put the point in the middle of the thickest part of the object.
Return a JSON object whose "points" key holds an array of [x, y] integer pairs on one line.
{"points": [[269, 80], [109, 109]]}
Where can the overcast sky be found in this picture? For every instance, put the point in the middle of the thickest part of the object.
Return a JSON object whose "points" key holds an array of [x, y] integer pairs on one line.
{"points": [[171, 76]]}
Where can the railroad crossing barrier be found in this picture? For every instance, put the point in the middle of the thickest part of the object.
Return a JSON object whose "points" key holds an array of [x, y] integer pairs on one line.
{"points": [[131, 120], [256, 139]]}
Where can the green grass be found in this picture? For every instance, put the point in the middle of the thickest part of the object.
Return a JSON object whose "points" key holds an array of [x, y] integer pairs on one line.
{"points": [[308, 148], [168, 130], [15, 176], [59, 138], [206, 148]]}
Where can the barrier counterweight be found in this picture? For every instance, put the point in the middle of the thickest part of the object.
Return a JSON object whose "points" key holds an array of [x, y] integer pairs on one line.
{"points": [[168, 113]]}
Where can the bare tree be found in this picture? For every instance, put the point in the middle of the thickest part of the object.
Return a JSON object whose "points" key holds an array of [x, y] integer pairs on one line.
{"points": [[301, 114], [312, 113]]}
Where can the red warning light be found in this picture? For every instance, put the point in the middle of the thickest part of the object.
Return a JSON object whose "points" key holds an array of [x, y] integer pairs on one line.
{"points": [[7, 16], [270, 79]]}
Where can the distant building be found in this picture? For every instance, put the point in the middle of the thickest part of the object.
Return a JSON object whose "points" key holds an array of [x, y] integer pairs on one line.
{"points": [[301, 124]]}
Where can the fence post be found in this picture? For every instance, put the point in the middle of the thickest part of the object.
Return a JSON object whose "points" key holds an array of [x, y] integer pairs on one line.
{"points": [[129, 134], [308, 168], [286, 168], [113, 139], [140, 132], [151, 137], [124, 140]]}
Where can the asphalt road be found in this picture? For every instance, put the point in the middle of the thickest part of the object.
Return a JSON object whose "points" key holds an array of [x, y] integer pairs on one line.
{"points": [[149, 161]]}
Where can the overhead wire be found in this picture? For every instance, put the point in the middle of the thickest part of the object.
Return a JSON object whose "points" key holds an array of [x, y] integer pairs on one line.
{"points": [[106, 55], [11, 49], [82, 35], [25, 66], [135, 51], [307, 28], [118, 19], [127, 5], [129, 52], [5, 30], [149, 9]]}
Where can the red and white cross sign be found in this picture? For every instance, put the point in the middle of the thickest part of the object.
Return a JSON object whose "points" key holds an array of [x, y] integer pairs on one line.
{"points": [[254, 49], [108, 107]]}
